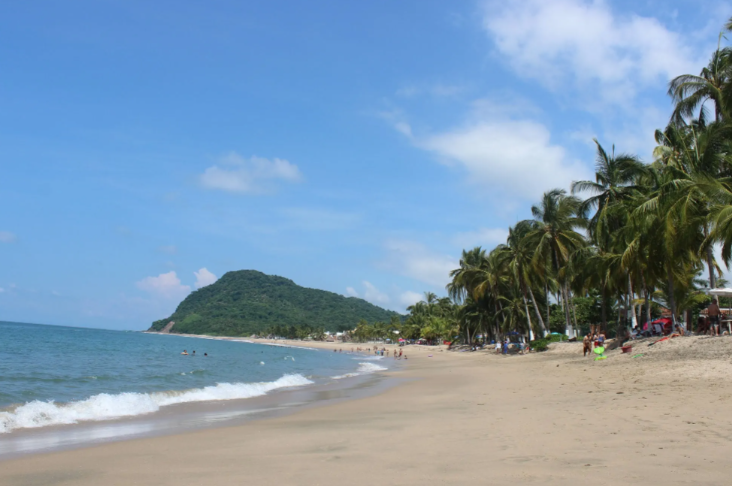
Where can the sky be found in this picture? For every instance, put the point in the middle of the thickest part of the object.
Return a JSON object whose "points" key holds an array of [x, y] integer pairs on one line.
{"points": [[147, 148]]}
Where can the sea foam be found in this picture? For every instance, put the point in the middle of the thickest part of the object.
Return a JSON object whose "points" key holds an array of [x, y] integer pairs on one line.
{"points": [[363, 369], [106, 407]]}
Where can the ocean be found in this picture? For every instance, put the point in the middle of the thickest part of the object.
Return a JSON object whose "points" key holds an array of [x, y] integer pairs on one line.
{"points": [[54, 375]]}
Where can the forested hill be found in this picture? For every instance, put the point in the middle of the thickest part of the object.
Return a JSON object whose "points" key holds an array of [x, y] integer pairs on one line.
{"points": [[246, 301]]}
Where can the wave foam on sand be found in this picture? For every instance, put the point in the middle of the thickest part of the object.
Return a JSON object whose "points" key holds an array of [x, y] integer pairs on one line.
{"points": [[106, 407], [363, 369]]}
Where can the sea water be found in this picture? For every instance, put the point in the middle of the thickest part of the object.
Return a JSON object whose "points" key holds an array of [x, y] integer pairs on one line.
{"points": [[54, 375]]}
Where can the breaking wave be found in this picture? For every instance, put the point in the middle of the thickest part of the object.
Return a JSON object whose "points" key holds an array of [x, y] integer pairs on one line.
{"points": [[363, 369], [106, 407]]}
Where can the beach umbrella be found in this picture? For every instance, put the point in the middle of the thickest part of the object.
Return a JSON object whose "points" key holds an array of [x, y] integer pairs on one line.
{"points": [[721, 292]]}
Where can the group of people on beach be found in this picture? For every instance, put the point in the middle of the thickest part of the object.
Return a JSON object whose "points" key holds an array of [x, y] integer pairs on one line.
{"points": [[592, 341], [377, 352], [504, 346]]}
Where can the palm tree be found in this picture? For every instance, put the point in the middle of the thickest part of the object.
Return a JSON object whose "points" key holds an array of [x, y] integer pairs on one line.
{"points": [[554, 236], [692, 157], [517, 256], [690, 92], [615, 177]]}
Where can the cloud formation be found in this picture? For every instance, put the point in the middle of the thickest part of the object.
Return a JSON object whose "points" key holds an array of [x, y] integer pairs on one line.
{"points": [[414, 260], [165, 285], [585, 44], [370, 294], [513, 157], [484, 237], [7, 237], [255, 175], [204, 277], [409, 298]]}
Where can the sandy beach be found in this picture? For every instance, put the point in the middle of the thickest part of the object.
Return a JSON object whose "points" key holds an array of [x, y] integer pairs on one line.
{"points": [[458, 418]]}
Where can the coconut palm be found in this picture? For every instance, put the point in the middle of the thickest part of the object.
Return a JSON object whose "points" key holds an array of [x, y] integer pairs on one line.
{"points": [[554, 236], [517, 256], [615, 181], [690, 92]]}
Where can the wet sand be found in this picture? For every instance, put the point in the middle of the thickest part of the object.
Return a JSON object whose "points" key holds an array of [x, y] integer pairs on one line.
{"points": [[458, 418]]}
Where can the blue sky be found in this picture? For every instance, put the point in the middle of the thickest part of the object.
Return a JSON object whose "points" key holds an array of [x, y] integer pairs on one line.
{"points": [[149, 147]]}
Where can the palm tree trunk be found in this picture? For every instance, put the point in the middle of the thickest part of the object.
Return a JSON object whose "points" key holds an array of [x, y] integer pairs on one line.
{"points": [[528, 316], [538, 313], [710, 263], [604, 307], [567, 319], [671, 299], [546, 292], [574, 310], [503, 318], [633, 315]]}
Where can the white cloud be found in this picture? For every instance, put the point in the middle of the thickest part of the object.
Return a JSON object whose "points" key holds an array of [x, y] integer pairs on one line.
{"points": [[204, 277], [7, 237], [512, 157], [395, 298], [370, 294], [582, 43], [416, 261], [374, 295], [485, 237], [169, 249], [2, 290], [166, 285], [255, 175], [409, 298]]}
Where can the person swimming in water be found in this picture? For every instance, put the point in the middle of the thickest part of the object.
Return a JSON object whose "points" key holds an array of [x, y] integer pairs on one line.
{"points": [[205, 354], [185, 353]]}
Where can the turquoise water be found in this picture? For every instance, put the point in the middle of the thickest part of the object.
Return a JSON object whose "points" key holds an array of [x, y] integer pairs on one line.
{"points": [[51, 375]]}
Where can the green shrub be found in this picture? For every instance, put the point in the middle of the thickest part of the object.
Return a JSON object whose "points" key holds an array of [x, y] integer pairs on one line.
{"points": [[553, 338], [539, 344]]}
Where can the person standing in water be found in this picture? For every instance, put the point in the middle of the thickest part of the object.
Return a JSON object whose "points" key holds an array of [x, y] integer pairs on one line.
{"points": [[184, 353]]}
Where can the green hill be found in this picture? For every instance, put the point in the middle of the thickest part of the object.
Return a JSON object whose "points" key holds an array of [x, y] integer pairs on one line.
{"points": [[245, 302]]}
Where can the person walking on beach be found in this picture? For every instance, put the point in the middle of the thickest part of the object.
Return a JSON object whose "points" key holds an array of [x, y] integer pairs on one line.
{"points": [[587, 345], [713, 312]]}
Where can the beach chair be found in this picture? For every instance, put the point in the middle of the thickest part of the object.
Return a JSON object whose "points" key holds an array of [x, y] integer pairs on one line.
{"points": [[658, 329]]}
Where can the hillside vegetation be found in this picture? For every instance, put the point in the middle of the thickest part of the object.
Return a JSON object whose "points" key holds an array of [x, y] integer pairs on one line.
{"points": [[246, 302]]}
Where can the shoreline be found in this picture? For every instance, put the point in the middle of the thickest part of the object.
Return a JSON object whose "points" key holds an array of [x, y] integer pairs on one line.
{"points": [[186, 417], [457, 418]]}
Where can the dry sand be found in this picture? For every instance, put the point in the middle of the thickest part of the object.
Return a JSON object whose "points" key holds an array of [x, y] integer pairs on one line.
{"points": [[459, 418]]}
